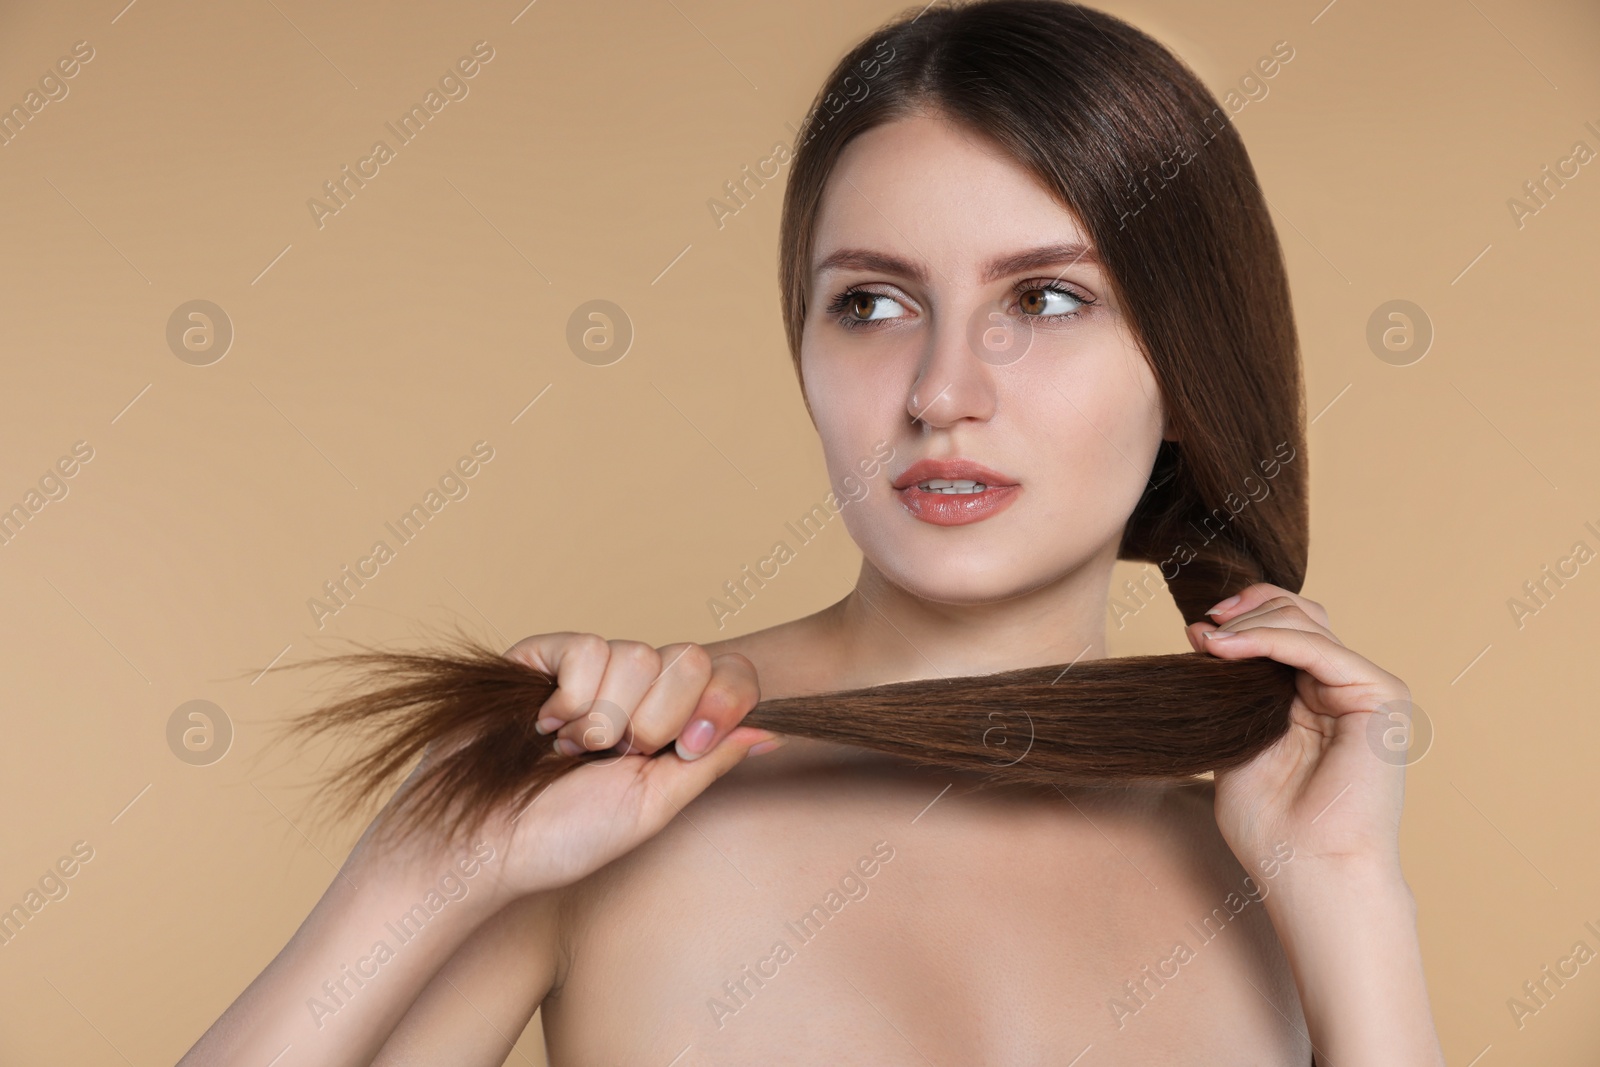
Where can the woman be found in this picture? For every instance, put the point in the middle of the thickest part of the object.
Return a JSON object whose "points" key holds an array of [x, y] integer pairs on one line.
{"points": [[1041, 323]]}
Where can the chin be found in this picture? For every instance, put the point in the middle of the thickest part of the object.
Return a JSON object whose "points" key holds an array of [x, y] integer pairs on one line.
{"points": [[960, 577]]}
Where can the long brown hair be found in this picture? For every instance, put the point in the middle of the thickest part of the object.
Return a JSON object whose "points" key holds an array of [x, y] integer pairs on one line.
{"points": [[1142, 153]]}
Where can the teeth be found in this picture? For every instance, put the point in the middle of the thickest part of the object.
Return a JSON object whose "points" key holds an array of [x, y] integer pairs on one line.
{"points": [[945, 485]]}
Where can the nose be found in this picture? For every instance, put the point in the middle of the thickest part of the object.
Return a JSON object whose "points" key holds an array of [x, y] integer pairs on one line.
{"points": [[952, 383]]}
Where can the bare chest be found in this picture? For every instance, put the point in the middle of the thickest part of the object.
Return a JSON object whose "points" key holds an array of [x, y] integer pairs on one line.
{"points": [[849, 913]]}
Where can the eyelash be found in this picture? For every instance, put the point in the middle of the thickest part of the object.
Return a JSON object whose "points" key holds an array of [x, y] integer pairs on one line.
{"points": [[840, 303]]}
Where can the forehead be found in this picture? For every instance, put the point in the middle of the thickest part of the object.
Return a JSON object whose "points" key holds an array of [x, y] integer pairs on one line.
{"points": [[927, 189]]}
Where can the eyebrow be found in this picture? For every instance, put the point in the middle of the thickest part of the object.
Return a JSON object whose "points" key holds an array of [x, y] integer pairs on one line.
{"points": [[1050, 255]]}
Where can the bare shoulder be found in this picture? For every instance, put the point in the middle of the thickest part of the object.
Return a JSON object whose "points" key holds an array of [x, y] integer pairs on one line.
{"points": [[790, 658], [1188, 807]]}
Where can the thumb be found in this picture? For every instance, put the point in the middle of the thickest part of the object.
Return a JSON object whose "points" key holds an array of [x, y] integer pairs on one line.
{"points": [[675, 781]]}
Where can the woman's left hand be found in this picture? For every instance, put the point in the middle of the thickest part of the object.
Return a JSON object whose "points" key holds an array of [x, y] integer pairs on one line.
{"points": [[1332, 786]]}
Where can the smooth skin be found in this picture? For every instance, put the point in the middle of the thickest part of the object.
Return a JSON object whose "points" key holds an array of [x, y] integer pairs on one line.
{"points": [[1009, 923], [1347, 918]]}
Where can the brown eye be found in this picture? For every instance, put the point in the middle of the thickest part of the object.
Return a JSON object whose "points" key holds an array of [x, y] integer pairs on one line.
{"points": [[859, 307], [1049, 302]]}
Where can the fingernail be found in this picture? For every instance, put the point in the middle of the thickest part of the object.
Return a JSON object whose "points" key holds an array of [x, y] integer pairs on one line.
{"points": [[566, 747], [767, 746], [1218, 635], [1224, 605], [547, 725], [696, 738]]}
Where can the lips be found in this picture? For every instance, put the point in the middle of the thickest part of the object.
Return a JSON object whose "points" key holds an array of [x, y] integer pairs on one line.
{"points": [[951, 469], [954, 509]]}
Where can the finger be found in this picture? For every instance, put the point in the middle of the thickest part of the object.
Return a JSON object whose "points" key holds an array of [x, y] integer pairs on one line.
{"points": [[1285, 607], [1355, 683], [673, 781], [1279, 611], [602, 723], [726, 699], [577, 661], [670, 700], [1253, 596]]}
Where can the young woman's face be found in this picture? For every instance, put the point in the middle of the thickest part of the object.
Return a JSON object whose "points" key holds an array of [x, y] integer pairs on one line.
{"points": [[955, 317]]}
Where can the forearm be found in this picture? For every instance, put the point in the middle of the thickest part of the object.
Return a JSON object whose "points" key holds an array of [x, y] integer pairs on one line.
{"points": [[480, 1001], [1350, 935], [347, 976]]}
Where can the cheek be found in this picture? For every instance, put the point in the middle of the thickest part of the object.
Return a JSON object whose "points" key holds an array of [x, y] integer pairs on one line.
{"points": [[1097, 417], [854, 405], [1105, 390]]}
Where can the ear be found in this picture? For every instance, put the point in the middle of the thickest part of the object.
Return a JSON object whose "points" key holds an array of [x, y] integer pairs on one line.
{"points": [[1167, 432]]}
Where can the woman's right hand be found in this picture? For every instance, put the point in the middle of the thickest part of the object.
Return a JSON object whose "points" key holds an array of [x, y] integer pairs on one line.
{"points": [[638, 699]]}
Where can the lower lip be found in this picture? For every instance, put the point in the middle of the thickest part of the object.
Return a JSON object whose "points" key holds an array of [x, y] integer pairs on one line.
{"points": [[957, 509]]}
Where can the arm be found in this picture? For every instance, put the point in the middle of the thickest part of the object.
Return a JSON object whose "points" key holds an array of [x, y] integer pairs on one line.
{"points": [[357, 973], [1332, 788], [479, 1002], [332, 995], [1350, 935]]}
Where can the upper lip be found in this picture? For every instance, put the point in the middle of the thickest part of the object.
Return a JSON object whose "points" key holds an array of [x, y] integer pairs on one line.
{"points": [[949, 469]]}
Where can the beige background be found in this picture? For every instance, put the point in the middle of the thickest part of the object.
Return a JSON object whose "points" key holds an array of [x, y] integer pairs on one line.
{"points": [[371, 353]]}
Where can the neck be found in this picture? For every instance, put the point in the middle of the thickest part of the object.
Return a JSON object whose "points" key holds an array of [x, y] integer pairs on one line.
{"points": [[882, 633]]}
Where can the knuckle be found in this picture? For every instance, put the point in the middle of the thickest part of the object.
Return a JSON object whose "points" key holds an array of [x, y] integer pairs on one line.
{"points": [[692, 659], [635, 654], [735, 660], [526, 650], [730, 694], [589, 650], [738, 671], [1288, 609], [589, 646], [1314, 609]]}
